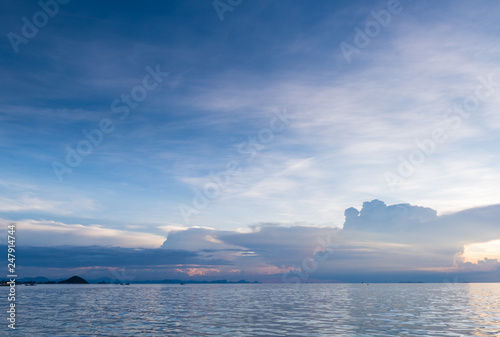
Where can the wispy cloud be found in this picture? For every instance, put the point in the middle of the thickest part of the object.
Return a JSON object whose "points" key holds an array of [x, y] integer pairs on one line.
{"points": [[52, 233]]}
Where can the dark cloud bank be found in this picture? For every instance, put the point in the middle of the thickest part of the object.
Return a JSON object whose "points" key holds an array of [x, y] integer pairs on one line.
{"points": [[378, 243]]}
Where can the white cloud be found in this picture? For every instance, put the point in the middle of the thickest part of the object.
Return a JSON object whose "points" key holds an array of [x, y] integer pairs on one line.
{"points": [[25, 196], [365, 119], [52, 233], [29, 202], [377, 239]]}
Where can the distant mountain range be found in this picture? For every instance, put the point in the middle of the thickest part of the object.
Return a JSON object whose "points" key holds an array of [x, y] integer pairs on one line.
{"points": [[78, 280]]}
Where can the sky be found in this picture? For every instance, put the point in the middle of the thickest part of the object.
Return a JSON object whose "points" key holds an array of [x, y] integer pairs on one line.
{"points": [[268, 140]]}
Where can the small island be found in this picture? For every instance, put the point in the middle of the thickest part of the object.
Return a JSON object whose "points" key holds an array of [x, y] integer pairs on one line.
{"points": [[74, 280]]}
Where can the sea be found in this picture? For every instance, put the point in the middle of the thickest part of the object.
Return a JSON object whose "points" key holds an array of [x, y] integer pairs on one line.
{"points": [[326, 309]]}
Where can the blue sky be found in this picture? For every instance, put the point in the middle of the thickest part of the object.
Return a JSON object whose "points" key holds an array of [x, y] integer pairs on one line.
{"points": [[263, 124]]}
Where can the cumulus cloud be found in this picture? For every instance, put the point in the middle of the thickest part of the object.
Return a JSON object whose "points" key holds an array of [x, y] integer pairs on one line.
{"points": [[379, 238], [420, 226], [407, 238], [398, 241], [376, 216]]}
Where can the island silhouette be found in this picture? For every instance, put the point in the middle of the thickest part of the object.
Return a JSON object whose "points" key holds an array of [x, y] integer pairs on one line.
{"points": [[74, 280]]}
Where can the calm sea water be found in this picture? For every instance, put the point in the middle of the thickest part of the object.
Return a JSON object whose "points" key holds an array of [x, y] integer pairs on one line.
{"points": [[257, 310]]}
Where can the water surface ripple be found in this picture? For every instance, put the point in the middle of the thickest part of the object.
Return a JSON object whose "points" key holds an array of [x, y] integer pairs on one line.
{"points": [[258, 310]]}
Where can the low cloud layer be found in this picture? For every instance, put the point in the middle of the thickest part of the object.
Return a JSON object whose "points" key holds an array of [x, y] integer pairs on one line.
{"points": [[377, 239], [377, 242]]}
